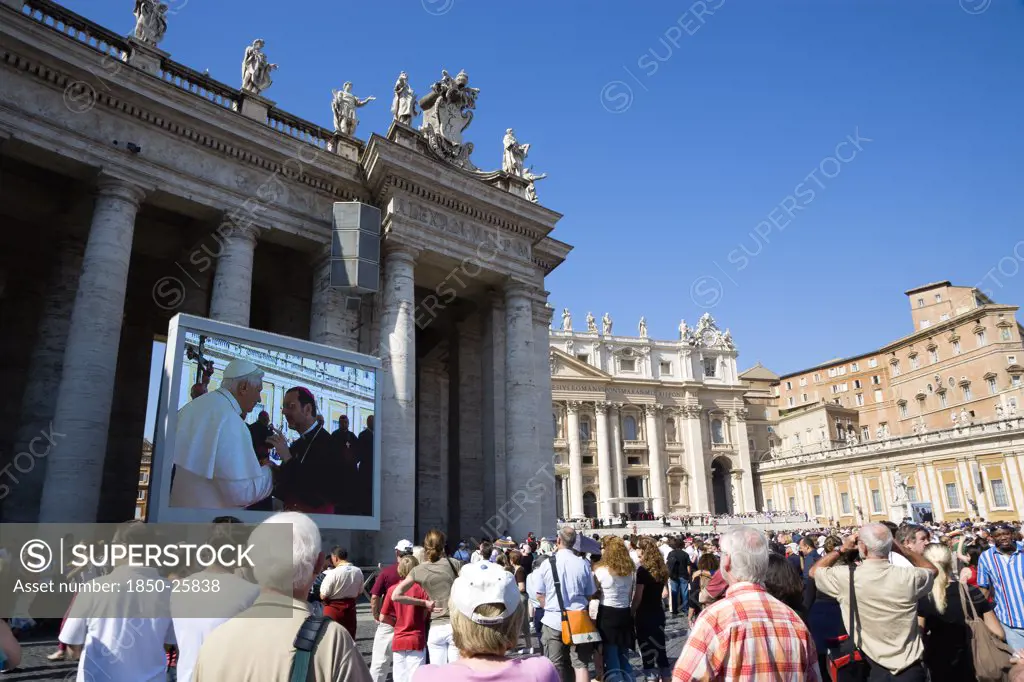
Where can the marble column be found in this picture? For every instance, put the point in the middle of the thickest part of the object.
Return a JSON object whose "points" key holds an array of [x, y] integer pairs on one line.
{"points": [[398, 399], [604, 462], [81, 421], [700, 501], [232, 283], [545, 475], [493, 354], [565, 496], [742, 442], [738, 501], [572, 412], [656, 465], [329, 321], [684, 498], [465, 341], [615, 416], [523, 460], [44, 370]]}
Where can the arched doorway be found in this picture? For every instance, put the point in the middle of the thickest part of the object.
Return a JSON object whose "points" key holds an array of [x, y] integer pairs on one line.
{"points": [[590, 505], [720, 486]]}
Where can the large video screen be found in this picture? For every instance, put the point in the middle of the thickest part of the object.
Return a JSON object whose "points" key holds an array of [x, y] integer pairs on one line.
{"points": [[252, 423]]}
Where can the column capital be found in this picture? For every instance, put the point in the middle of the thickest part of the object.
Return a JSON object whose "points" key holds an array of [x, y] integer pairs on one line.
{"points": [[602, 407], [514, 288], [240, 232], [572, 406], [117, 187], [691, 411], [652, 410], [542, 313], [616, 407], [400, 252], [741, 414]]}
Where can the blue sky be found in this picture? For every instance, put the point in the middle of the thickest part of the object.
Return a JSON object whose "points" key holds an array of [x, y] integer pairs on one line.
{"points": [[669, 138]]}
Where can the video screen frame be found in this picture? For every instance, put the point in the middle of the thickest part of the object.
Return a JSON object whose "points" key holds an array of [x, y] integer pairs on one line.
{"points": [[175, 372]]}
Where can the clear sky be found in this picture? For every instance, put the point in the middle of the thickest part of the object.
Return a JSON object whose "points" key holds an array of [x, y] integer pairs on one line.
{"points": [[673, 139]]}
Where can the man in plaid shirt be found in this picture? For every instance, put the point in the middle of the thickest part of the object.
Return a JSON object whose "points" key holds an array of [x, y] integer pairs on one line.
{"points": [[748, 635]]}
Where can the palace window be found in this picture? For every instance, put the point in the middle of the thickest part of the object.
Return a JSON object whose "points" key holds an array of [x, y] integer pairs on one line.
{"points": [[841, 371], [792, 401], [938, 298], [942, 398], [913, 361], [844, 501], [933, 355], [895, 368], [860, 399], [803, 397], [1011, 359], [817, 376], [952, 496], [789, 385], [831, 372], [717, 435], [872, 362], [709, 367], [920, 303], [1015, 380], [943, 317], [966, 389], [876, 379], [1005, 334], [629, 427], [142, 495], [865, 433], [925, 324], [992, 387], [803, 381], [999, 496], [878, 396], [143, 478], [904, 413], [980, 336], [956, 347], [854, 367]]}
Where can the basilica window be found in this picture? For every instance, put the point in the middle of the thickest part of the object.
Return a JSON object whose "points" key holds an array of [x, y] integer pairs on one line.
{"points": [[627, 364], [629, 427], [558, 424], [709, 367], [717, 433], [585, 429], [670, 430]]}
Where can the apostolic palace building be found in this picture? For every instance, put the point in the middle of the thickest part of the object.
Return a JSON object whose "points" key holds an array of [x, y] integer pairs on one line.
{"points": [[133, 187], [940, 407]]}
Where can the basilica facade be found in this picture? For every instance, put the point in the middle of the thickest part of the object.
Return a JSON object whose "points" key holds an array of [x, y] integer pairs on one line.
{"points": [[648, 425]]}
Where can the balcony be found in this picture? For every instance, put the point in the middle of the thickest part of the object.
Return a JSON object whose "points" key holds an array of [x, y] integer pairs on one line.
{"points": [[722, 447], [634, 445]]}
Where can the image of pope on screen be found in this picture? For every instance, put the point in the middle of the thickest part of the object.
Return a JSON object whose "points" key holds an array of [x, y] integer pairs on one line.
{"points": [[228, 452]]}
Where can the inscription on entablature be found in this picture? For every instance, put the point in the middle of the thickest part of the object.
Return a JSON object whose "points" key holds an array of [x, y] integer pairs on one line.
{"points": [[634, 391], [466, 230], [577, 387]]}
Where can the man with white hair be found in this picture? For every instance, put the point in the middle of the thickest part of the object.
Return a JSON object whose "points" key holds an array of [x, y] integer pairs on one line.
{"points": [[886, 596], [215, 465], [749, 634], [258, 645]]}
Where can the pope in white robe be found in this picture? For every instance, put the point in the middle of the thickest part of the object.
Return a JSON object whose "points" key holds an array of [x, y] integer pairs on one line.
{"points": [[215, 464]]}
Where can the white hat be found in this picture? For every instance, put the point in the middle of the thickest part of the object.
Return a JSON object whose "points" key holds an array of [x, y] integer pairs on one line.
{"points": [[239, 368], [404, 546], [485, 583]]}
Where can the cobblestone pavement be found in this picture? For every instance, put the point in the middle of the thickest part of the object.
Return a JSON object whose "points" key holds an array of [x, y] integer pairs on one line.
{"points": [[35, 668]]}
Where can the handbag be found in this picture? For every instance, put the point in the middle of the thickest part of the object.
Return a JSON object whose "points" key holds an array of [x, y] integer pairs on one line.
{"points": [[990, 654], [846, 662], [577, 625]]}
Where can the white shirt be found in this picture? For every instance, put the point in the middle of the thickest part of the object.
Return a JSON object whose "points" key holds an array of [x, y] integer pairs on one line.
{"points": [[635, 556], [342, 582], [616, 591], [899, 560], [692, 552], [216, 465], [121, 649], [664, 549], [234, 596], [577, 586]]}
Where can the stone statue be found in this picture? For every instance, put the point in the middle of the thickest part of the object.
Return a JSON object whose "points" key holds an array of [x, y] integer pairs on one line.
{"points": [[1013, 409], [447, 112], [150, 21], [514, 156], [566, 320], [879, 433], [531, 189], [917, 428], [999, 412], [684, 331], [256, 69], [727, 339], [403, 106], [643, 327], [851, 437], [954, 417], [965, 418], [591, 323], [344, 105], [899, 489], [606, 324]]}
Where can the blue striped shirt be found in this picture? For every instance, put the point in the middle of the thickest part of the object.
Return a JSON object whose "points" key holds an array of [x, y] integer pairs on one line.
{"points": [[1004, 575]]}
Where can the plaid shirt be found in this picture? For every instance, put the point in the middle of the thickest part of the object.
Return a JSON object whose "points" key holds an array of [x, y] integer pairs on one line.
{"points": [[748, 636]]}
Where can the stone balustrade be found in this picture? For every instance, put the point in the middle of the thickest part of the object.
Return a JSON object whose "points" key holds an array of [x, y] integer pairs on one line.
{"points": [[843, 450], [76, 27]]}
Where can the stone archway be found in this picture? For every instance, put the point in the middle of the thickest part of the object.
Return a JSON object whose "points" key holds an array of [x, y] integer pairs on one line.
{"points": [[721, 486], [590, 505]]}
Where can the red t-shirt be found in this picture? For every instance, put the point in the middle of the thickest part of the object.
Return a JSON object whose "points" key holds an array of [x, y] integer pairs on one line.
{"points": [[410, 621], [386, 579]]}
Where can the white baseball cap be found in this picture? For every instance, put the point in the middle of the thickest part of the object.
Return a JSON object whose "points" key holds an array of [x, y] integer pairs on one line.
{"points": [[485, 583], [404, 546]]}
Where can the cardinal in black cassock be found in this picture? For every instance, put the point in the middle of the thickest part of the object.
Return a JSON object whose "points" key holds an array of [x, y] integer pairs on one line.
{"points": [[306, 480]]}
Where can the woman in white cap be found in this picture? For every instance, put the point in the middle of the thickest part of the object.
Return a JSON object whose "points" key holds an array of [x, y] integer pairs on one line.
{"points": [[487, 615]]}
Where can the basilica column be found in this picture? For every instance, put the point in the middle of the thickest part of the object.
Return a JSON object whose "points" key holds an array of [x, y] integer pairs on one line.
{"points": [[604, 463], [544, 474], [575, 508], [699, 498], [656, 466], [39, 399], [330, 322], [232, 283], [398, 398], [620, 464], [742, 442], [738, 502], [523, 461], [77, 438]]}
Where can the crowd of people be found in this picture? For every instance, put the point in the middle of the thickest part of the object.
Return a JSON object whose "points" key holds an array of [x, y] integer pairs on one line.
{"points": [[911, 602]]}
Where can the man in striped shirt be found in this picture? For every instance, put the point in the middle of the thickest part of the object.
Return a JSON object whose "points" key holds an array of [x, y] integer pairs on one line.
{"points": [[749, 635], [1001, 572]]}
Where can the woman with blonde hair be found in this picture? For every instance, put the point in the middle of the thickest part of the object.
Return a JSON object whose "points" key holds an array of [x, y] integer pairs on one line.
{"points": [[435, 575], [941, 616], [486, 617], [649, 611], [409, 644], [615, 576]]}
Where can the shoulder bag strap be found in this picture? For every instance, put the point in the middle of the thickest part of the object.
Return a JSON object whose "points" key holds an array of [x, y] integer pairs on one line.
{"points": [[310, 634], [854, 616], [452, 566], [966, 601], [558, 586]]}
